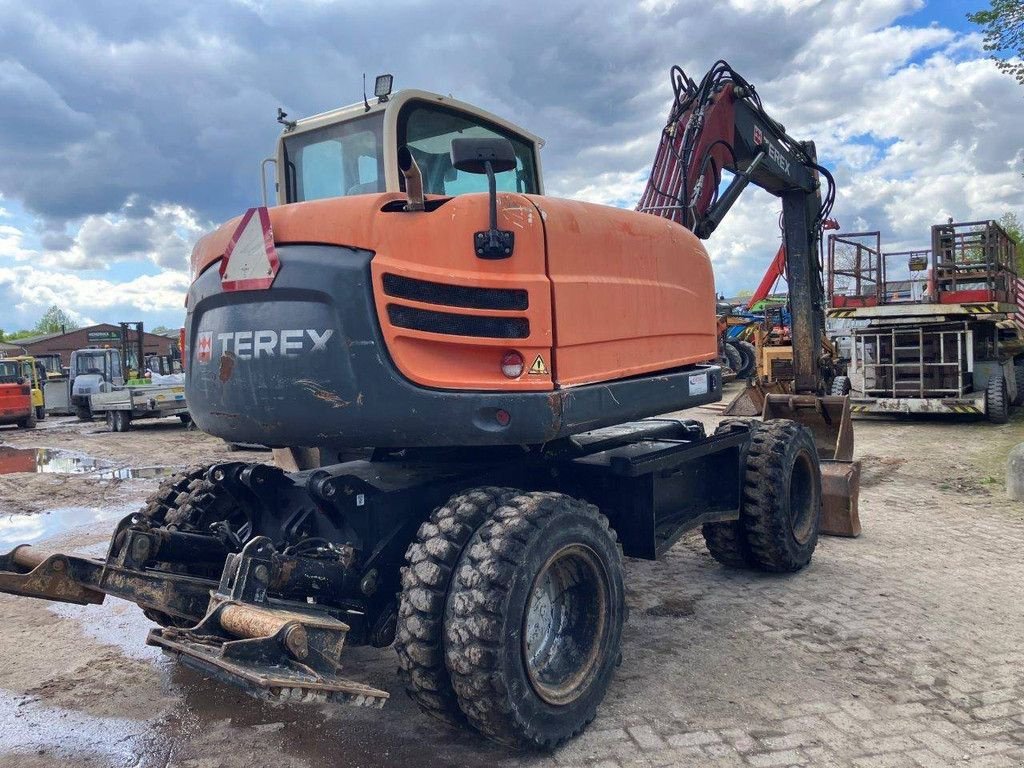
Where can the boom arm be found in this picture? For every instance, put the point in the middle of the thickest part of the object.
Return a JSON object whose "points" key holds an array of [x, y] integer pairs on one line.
{"points": [[720, 124]]}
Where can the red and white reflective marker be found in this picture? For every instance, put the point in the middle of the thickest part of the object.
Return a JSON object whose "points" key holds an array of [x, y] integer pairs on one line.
{"points": [[250, 261]]}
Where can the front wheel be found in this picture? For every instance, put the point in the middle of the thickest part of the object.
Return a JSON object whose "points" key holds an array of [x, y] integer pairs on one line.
{"points": [[781, 506], [997, 401], [534, 621], [83, 412], [40, 412]]}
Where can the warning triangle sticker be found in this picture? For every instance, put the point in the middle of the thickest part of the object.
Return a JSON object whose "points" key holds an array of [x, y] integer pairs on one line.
{"points": [[250, 260], [538, 368]]}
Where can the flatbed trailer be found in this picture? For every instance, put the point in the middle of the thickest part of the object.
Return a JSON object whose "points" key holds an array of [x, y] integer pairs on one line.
{"points": [[147, 401]]}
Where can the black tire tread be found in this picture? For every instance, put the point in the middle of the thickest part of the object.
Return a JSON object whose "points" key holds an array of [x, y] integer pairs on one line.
{"points": [[164, 499], [480, 592], [762, 494], [749, 354], [430, 561], [1018, 375], [840, 386], [997, 407], [733, 357]]}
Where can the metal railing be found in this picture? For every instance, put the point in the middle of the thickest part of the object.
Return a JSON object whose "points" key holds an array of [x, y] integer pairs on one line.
{"points": [[921, 361]]}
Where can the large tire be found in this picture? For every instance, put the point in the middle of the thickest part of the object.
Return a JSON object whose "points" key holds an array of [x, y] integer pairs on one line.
{"points": [[172, 491], [727, 542], [781, 507], [1018, 375], [83, 412], [40, 412], [169, 493], [748, 352], [431, 560], [733, 358], [840, 386], [534, 620], [997, 401]]}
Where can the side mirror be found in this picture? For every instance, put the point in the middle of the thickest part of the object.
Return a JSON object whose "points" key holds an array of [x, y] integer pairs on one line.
{"points": [[472, 155], [488, 156]]}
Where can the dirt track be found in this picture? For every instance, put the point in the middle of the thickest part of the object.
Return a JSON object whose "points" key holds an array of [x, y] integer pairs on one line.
{"points": [[899, 648]]}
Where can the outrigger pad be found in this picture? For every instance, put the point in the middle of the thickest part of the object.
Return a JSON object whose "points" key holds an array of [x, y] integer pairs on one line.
{"points": [[272, 653]]}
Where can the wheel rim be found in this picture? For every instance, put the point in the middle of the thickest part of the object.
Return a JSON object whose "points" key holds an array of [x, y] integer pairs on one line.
{"points": [[802, 509], [566, 624]]}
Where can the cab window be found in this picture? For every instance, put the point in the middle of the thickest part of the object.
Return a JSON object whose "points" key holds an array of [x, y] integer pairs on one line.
{"points": [[428, 131], [336, 160]]}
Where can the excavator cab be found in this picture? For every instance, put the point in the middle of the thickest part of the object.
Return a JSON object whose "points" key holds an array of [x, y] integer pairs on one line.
{"points": [[354, 150]]}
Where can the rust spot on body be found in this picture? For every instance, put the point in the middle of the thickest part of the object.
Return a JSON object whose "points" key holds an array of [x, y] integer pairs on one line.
{"points": [[227, 366]]}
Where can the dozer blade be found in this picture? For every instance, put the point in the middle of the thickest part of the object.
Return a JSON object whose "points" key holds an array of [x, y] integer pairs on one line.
{"points": [[828, 418], [272, 653], [750, 402]]}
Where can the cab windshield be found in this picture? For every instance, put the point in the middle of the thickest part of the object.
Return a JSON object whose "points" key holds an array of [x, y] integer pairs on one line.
{"points": [[10, 372], [96, 362], [348, 158], [428, 131]]}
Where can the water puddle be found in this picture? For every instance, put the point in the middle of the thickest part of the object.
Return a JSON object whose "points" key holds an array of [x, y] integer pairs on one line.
{"points": [[58, 461], [135, 473], [29, 529], [41, 734], [47, 460]]}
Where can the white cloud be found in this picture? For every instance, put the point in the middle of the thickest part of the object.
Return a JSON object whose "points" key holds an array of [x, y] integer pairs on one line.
{"points": [[175, 106], [37, 289]]}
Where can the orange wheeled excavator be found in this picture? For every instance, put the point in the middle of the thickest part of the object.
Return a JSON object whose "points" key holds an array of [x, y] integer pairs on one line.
{"points": [[463, 380]]}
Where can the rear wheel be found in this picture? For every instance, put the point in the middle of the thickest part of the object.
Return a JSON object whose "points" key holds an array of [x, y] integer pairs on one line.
{"points": [[733, 358], [781, 506], [426, 581], [119, 421], [748, 353], [840, 386], [29, 422], [1018, 375], [997, 401], [534, 620], [171, 491]]}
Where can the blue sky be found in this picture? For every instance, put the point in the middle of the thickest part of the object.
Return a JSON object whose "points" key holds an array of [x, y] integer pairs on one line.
{"points": [[132, 128]]}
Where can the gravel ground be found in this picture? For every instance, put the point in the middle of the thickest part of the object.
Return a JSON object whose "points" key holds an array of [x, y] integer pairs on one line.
{"points": [[902, 647]]}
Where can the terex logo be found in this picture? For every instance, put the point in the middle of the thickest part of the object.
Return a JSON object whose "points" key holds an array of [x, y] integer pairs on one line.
{"points": [[252, 345], [777, 156]]}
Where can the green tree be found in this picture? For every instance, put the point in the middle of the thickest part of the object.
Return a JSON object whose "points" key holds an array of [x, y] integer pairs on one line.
{"points": [[1003, 23], [1012, 225], [55, 320]]}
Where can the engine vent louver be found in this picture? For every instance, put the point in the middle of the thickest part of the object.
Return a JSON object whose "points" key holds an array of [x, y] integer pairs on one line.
{"points": [[458, 325], [455, 295]]}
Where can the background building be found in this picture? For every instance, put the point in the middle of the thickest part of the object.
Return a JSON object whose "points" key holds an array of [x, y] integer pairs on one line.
{"points": [[102, 335]]}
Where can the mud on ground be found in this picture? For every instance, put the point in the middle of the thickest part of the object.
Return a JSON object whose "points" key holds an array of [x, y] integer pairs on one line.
{"points": [[902, 647]]}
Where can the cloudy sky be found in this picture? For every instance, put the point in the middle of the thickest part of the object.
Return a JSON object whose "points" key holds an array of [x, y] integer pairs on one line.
{"points": [[130, 128]]}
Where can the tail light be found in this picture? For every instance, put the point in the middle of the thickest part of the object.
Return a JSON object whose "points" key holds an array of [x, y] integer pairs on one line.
{"points": [[512, 365]]}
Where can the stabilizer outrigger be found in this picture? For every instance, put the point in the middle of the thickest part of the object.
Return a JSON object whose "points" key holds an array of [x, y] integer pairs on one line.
{"points": [[231, 629]]}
